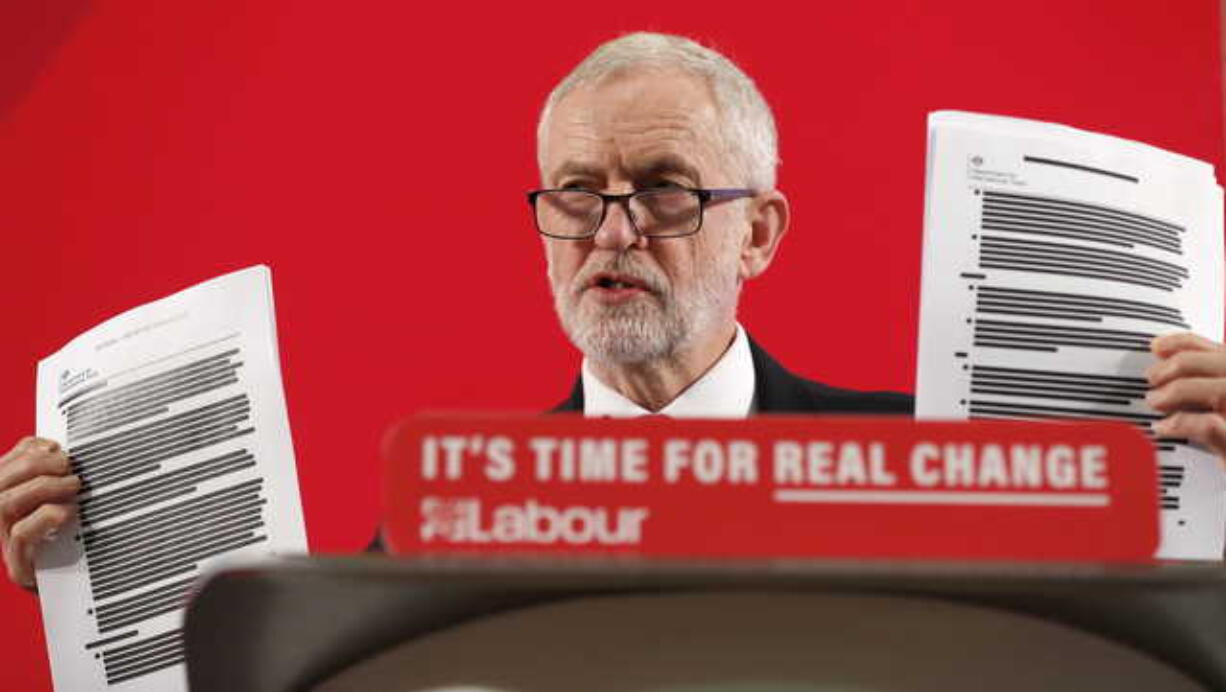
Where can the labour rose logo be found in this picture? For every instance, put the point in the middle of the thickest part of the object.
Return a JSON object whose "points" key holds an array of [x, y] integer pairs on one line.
{"points": [[441, 517]]}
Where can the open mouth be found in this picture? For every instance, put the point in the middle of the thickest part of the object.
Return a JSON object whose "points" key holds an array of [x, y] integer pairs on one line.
{"points": [[617, 282]]}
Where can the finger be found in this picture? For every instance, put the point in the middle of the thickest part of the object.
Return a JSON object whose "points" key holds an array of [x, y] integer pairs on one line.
{"points": [[21, 446], [39, 458], [28, 535], [1169, 344], [1187, 364], [1189, 394], [1206, 429], [19, 502]]}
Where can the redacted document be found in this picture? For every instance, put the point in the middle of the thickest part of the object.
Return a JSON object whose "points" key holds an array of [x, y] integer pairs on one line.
{"points": [[173, 415], [1052, 257]]}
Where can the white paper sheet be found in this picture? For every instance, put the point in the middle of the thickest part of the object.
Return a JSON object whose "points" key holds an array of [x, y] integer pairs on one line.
{"points": [[1051, 257], [174, 416]]}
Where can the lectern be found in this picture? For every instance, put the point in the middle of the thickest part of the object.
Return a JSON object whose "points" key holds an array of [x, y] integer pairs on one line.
{"points": [[481, 624]]}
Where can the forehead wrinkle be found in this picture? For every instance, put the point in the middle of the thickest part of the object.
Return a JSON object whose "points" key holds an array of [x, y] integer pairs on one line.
{"points": [[685, 130], [666, 124], [620, 130], [582, 148], [668, 138], [667, 142], [659, 161]]}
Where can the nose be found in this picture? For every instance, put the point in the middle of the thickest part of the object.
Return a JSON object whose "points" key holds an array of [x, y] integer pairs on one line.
{"points": [[616, 232]]}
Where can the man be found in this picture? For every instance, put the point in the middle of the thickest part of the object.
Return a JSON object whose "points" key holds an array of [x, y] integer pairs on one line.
{"points": [[658, 163]]}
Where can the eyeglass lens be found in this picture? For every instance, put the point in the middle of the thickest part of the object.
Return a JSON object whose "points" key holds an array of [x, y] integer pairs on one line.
{"points": [[577, 213]]}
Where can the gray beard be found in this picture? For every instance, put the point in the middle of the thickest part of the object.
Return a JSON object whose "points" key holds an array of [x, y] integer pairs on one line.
{"points": [[653, 329], [626, 334]]}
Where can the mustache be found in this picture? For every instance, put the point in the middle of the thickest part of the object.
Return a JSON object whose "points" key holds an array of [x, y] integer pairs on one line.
{"points": [[624, 265]]}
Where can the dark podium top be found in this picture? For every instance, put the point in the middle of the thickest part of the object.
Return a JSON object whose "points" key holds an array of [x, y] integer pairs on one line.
{"points": [[286, 625]]}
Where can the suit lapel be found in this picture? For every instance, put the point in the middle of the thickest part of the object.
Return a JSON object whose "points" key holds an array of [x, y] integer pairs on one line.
{"points": [[776, 389], [574, 402]]}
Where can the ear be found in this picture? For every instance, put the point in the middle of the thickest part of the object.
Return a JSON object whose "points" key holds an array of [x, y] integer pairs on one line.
{"points": [[769, 215]]}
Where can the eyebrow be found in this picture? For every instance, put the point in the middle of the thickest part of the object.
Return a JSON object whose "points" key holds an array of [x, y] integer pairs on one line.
{"points": [[666, 163], [579, 170], [653, 167]]}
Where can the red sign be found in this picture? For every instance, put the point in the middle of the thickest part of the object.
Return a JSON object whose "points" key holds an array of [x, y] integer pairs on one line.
{"points": [[771, 487]]}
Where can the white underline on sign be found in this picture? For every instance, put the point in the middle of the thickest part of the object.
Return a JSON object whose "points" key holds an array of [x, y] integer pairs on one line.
{"points": [[943, 497]]}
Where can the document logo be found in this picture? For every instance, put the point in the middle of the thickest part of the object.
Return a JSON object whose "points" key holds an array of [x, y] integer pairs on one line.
{"points": [[70, 378]]}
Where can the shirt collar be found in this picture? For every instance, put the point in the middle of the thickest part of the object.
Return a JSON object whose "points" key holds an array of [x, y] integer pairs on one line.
{"points": [[724, 391]]}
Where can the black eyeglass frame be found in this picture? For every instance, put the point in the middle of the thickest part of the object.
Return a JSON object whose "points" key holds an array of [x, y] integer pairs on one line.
{"points": [[705, 197]]}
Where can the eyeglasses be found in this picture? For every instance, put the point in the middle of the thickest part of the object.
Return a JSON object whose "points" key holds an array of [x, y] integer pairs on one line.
{"points": [[667, 212]]}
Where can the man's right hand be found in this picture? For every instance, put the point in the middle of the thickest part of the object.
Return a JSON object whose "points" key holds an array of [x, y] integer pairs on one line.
{"points": [[37, 497]]}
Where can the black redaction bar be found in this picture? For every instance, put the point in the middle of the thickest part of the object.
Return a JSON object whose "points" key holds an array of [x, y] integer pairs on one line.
{"points": [[998, 252], [133, 442], [1070, 306], [188, 562], [1045, 216], [150, 396], [141, 388], [131, 498], [1121, 391], [169, 516], [1035, 336], [143, 657], [143, 606]]}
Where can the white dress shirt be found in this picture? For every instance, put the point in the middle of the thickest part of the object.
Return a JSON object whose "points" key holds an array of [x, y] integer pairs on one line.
{"points": [[724, 391]]}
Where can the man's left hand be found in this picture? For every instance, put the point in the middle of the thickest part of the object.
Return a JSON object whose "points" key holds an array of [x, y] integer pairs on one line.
{"points": [[1189, 384]]}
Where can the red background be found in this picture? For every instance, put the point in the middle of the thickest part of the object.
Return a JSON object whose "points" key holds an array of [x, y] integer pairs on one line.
{"points": [[375, 155]]}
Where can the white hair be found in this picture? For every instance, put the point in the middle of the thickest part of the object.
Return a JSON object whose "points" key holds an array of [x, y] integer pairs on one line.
{"points": [[746, 120]]}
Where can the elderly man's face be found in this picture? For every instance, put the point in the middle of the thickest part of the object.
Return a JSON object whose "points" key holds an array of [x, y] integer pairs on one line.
{"points": [[622, 298]]}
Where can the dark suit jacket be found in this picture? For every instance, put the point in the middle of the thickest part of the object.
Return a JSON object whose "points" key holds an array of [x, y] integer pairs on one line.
{"points": [[779, 391]]}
